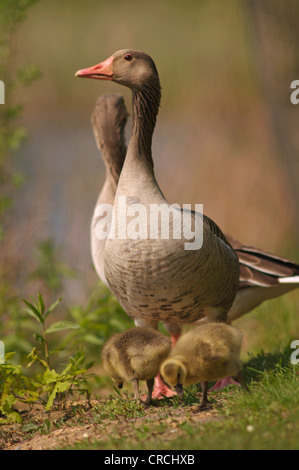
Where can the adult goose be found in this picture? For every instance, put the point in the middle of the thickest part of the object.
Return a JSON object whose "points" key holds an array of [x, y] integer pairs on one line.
{"points": [[263, 276], [155, 278], [108, 122]]}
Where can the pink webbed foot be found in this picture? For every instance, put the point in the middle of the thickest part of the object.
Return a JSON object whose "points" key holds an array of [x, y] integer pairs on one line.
{"points": [[161, 390], [222, 383]]}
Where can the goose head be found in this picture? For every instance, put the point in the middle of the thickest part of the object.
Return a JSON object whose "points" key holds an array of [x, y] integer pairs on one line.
{"points": [[127, 67]]}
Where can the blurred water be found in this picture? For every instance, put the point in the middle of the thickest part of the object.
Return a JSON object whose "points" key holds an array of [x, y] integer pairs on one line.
{"points": [[64, 174]]}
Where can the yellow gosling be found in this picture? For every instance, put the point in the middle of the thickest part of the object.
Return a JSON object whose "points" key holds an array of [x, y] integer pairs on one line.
{"points": [[206, 353], [134, 355]]}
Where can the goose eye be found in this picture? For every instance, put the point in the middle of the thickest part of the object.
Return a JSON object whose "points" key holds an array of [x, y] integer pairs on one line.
{"points": [[128, 57]]}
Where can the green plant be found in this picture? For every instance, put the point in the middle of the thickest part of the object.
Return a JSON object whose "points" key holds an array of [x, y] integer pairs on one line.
{"points": [[39, 312], [14, 76], [47, 386], [14, 386], [52, 385], [99, 318], [51, 382]]}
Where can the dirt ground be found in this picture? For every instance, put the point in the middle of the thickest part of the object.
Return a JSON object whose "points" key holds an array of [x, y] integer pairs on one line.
{"points": [[37, 431]]}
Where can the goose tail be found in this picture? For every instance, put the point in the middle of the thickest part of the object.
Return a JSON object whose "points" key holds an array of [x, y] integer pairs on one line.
{"points": [[259, 268], [289, 280]]}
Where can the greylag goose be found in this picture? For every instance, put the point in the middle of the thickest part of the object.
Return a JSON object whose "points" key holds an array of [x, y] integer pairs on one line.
{"points": [[134, 355], [155, 278], [108, 122], [206, 353], [263, 276]]}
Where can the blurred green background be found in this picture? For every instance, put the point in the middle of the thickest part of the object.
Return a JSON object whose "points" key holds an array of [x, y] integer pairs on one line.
{"points": [[227, 133]]}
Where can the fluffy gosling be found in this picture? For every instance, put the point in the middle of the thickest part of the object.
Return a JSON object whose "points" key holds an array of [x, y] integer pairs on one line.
{"points": [[134, 355], [206, 353]]}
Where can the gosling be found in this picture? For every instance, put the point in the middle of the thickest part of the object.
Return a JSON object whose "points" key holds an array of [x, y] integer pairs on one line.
{"points": [[206, 353], [134, 355]]}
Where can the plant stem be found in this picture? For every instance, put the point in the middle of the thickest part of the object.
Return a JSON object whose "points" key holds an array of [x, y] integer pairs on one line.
{"points": [[45, 345]]}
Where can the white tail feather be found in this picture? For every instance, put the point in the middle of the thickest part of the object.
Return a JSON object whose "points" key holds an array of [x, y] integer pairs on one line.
{"points": [[289, 280]]}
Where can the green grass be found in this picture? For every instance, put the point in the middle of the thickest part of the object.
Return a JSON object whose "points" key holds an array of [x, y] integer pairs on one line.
{"points": [[272, 326], [267, 418]]}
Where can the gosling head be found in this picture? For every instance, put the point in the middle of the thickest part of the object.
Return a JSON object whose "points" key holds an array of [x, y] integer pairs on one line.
{"points": [[111, 365], [117, 380], [174, 373]]}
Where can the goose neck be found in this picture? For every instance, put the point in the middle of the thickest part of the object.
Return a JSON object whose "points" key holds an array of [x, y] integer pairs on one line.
{"points": [[145, 105]]}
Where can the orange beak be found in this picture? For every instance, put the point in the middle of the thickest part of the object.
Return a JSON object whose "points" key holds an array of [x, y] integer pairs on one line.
{"points": [[102, 71]]}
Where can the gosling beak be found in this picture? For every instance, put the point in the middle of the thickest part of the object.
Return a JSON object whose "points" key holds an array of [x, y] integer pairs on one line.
{"points": [[120, 385], [101, 71], [179, 390]]}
